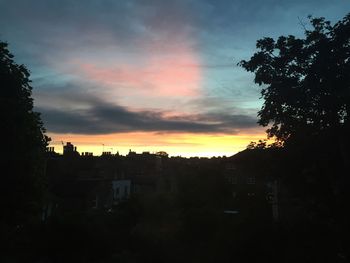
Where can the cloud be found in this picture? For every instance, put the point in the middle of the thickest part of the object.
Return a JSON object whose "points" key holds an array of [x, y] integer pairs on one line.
{"points": [[69, 108], [163, 76], [60, 26], [100, 117], [98, 64]]}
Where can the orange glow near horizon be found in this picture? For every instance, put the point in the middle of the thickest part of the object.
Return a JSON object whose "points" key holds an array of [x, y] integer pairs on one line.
{"points": [[175, 144]]}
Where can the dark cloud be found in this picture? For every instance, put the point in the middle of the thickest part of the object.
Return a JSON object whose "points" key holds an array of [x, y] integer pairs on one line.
{"points": [[69, 108], [103, 118]]}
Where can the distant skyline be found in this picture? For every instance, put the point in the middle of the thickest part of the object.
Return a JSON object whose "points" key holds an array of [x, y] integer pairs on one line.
{"points": [[150, 75]]}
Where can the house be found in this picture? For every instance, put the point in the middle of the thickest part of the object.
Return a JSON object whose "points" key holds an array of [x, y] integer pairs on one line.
{"points": [[121, 190]]}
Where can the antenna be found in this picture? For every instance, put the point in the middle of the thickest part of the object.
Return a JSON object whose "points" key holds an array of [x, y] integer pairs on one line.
{"points": [[62, 145]]}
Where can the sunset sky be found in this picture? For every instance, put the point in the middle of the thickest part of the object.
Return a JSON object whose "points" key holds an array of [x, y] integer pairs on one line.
{"points": [[150, 75]]}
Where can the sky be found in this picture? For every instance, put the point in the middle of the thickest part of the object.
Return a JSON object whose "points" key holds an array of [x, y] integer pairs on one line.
{"points": [[150, 75]]}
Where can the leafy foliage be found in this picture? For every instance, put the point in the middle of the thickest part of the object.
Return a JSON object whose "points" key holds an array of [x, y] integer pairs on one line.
{"points": [[24, 143], [306, 90], [306, 85]]}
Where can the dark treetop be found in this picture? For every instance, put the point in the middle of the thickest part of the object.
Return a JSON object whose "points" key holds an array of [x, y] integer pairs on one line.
{"points": [[306, 82], [23, 143]]}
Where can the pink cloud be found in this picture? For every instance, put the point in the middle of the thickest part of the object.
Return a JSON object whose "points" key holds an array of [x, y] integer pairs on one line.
{"points": [[173, 72]]}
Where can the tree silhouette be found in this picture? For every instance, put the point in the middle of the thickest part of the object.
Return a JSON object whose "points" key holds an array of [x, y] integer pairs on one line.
{"points": [[23, 144], [306, 91], [306, 82]]}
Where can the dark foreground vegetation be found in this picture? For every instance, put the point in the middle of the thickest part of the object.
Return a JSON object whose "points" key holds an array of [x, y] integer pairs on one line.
{"points": [[190, 224], [307, 108]]}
